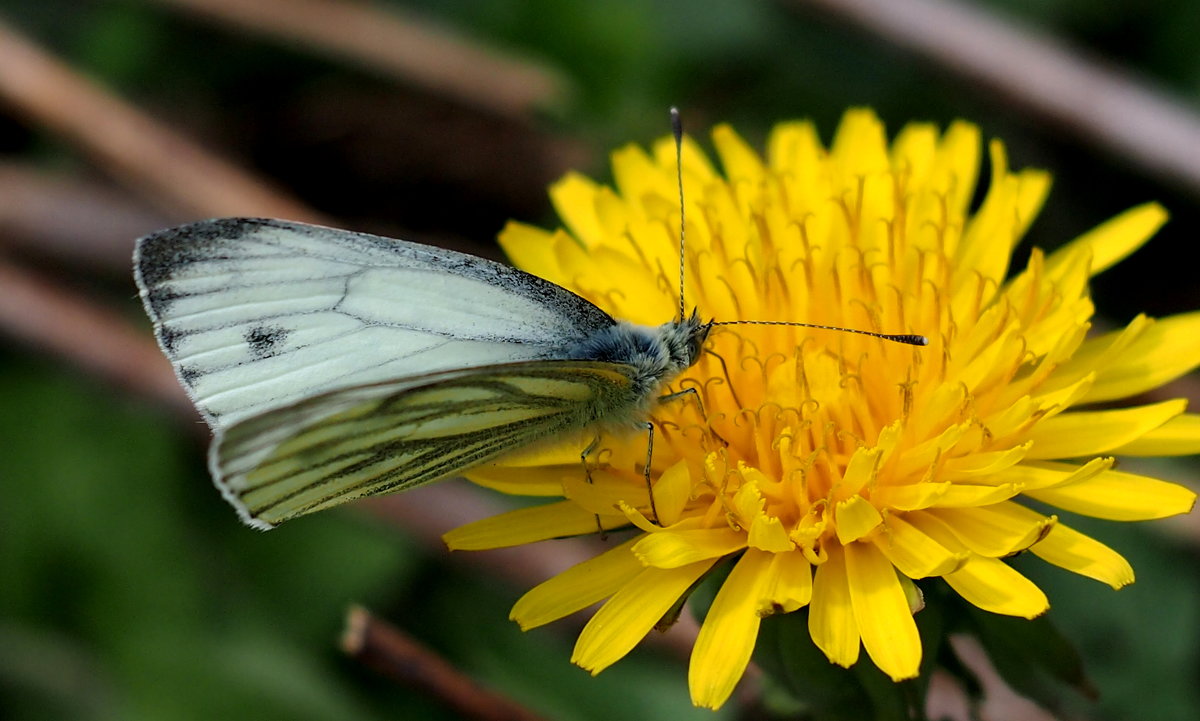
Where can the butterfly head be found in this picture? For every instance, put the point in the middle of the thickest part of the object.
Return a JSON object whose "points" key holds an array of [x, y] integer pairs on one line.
{"points": [[684, 340]]}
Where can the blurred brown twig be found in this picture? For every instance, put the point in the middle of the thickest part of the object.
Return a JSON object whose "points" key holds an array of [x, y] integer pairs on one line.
{"points": [[398, 656], [64, 324], [163, 165], [79, 222], [1039, 74], [412, 50]]}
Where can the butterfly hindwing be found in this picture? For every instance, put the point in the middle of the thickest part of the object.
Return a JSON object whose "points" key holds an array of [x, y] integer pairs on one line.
{"points": [[391, 436], [257, 314]]}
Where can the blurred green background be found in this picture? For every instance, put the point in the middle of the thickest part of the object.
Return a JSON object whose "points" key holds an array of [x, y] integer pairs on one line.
{"points": [[128, 590]]}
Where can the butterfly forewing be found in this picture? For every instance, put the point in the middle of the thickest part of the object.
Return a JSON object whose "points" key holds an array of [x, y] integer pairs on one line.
{"points": [[259, 314], [385, 437]]}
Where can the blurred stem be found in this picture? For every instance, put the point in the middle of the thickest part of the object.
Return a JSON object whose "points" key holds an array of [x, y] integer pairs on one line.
{"points": [[164, 165], [77, 221], [67, 325], [1043, 76], [398, 656], [414, 51]]}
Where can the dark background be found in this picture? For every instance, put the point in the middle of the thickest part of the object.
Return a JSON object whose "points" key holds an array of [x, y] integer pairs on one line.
{"points": [[127, 587]]}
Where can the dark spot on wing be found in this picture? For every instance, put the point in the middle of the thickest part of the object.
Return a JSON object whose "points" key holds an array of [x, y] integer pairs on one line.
{"points": [[169, 338], [188, 374], [266, 341]]}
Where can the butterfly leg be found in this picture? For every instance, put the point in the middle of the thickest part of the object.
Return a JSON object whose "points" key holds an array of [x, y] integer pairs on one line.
{"points": [[649, 458], [587, 473], [699, 403], [650, 440]]}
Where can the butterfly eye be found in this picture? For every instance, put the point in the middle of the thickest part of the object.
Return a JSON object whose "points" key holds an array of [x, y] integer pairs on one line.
{"points": [[696, 342]]}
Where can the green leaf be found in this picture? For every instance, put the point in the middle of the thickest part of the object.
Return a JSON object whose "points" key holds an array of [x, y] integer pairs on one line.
{"points": [[1032, 656], [785, 651]]}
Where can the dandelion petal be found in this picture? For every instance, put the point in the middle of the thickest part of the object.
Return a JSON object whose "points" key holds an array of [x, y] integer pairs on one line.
{"points": [[881, 610], [1067, 548], [831, 620], [625, 619], [727, 637]]}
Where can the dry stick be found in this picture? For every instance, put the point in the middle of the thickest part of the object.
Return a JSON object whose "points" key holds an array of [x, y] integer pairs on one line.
{"points": [[1041, 74], [399, 657], [412, 50], [67, 325], [166, 166], [85, 223]]}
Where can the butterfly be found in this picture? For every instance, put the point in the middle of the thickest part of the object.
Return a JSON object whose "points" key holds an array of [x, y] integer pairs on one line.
{"points": [[333, 365]]}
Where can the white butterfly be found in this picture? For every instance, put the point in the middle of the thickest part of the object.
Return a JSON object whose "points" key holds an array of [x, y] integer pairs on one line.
{"points": [[334, 365]]}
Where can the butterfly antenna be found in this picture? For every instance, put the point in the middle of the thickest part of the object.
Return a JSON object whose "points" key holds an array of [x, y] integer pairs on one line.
{"points": [[677, 131], [906, 338]]}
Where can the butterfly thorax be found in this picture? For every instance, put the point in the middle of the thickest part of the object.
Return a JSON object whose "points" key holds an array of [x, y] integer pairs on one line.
{"points": [[658, 353]]}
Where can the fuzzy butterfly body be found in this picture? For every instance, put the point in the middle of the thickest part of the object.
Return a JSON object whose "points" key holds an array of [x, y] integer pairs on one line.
{"points": [[333, 365]]}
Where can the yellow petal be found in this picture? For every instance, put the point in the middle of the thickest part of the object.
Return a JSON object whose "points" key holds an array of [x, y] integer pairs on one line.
{"points": [[730, 628], [768, 534], [637, 176], [989, 238], [992, 531], [606, 491], [738, 159], [1166, 350], [696, 165], [1097, 353], [672, 549], [630, 614], [960, 155], [526, 525], [794, 147], [533, 250], [1111, 241], [860, 145], [748, 503], [671, 493], [1119, 496], [881, 610], [1033, 187], [914, 553], [964, 495], [855, 518], [860, 471], [789, 584], [577, 587], [1070, 549], [1047, 474], [913, 151], [524, 481], [574, 199], [993, 586], [1087, 433], [540, 455], [983, 464], [1179, 436], [831, 620], [911, 496]]}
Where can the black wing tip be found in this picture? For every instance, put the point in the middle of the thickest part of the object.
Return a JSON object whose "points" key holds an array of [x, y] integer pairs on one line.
{"points": [[210, 229], [156, 256]]}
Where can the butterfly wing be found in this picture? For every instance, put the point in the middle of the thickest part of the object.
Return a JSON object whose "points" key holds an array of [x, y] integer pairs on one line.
{"points": [[383, 437], [258, 314]]}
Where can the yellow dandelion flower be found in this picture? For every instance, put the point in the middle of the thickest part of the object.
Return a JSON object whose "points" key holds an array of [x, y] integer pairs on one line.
{"points": [[833, 469]]}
